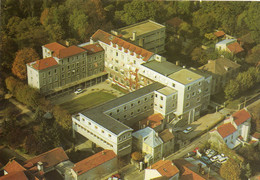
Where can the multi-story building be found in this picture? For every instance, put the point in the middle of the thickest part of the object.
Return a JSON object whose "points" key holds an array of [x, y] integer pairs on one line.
{"points": [[222, 71], [66, 68], [147, 34], [110, 125]]}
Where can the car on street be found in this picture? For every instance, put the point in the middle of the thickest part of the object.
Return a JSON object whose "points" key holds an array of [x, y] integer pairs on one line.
{"points": [[187, 130], [78, 91]]}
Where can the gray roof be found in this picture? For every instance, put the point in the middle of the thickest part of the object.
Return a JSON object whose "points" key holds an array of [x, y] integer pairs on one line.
{"points": [[165, 68], [153, 140], [226, 41], [185, 76], [142, 133], [97, 113]]}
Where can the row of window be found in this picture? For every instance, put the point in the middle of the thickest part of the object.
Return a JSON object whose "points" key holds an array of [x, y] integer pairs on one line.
{"points": [[93, 135], [102, 131]]}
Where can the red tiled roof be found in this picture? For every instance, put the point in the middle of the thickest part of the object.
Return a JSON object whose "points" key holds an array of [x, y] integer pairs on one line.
{"points": [[226, 129], [43, 63], [235, 48], [49, 159], [175, 22], [109, 38], [241, 116], [219, 33], [69, 51], [165, 168], [186, 171], [54, 46], [256, 135], [153, 121], [13, 166], [17, 175], [93, 48], [93, 161]]}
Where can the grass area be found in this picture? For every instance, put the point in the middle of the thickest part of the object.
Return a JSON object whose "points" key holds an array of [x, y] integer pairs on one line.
{"points": [[87, 101]]}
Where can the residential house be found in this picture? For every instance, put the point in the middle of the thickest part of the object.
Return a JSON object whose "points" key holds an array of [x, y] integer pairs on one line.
{"points": [[188, 171], [149, 143], [95, 166], [168, 141], [42, 166], [222, 70], [155, 121], [235, 130], [163, 169], [219, 34], [229, 45], [146, 34]]}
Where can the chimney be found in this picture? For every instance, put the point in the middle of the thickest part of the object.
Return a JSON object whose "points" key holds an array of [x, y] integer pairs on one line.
{"points": [[177, 63], [134, 36], [40, 166]]}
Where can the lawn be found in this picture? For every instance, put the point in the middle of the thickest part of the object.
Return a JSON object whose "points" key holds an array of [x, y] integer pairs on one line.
{"points": [[87, 101]]}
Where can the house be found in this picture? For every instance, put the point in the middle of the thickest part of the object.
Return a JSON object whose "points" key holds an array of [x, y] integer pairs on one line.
{"points": [[146, 34], [42, 166], [149, 143], [219, 34], [163, 169], [168, 141], [95, 166], [255, 139], [229, 45], [14, 175], [65, 68], [235, 130], [222, 71], [188, 171], [155, 121]]}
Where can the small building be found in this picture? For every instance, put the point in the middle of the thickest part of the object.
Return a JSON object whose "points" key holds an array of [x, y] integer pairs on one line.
{"points": [[163, 169], [229, 45], [147, 34], [168, 142], [235, 130], [219, 34], [222, 71], [96, 166], [155, 121], [149, 143]]}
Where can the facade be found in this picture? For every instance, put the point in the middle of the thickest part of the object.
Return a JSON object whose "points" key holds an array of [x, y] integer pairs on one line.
{"points": [[168, 141], [66, 68], [162, 169], [96, 166], [147, 34], [235, 130], [222, 71]]}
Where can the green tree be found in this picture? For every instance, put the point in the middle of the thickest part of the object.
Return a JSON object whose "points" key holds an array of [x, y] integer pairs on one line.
{"points": [[252, 20], [204, 22], [62, 117], [23, 57], [199, 55], [230, 170], [78, 21], [245, 80], [232, 89]]}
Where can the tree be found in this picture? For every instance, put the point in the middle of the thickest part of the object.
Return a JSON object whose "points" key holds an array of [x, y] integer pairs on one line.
{"points": [[10, 83], [204, 22], [199, 55], [252, 20], [62, 117], [232, 89], [230, 170], [245, 80], [254, 57], [23, 57]]}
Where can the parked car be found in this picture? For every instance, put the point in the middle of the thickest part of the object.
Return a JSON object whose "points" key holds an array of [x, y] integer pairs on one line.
{"points": [[190, 154], [187, 130], [214, 158], [78, 91]]}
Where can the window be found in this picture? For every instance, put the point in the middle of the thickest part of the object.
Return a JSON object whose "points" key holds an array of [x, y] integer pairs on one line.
{"points": [[125, 108], [49, 73], [188, 96], [118, 110], [55, 71], [161, 98], [134, 61], [173, 85], [110, 114], [68, 67], [161, 106], [189, 88], [132, 105], [151, 104], [62, 69], [193, 93], [145, 99], [155, 95], [145, 107], [116, 53], [96, 127], [109, 135], [89, 123], [139, 102], [151, 96], [138, 110], [102, 131], [132, 113]]}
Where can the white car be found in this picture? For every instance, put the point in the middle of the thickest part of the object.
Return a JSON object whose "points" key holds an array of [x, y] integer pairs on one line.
{"points": [[78, 91], [187, 130]]}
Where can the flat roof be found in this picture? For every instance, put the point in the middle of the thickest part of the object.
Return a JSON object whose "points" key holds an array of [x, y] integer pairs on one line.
{"points": [[140, 28], [115, 126], [167, 91], [165, 68], [185, 76]]}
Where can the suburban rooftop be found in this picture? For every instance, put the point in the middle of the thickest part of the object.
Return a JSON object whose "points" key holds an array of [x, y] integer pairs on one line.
{"points": [[167, 91], [140, 28]]}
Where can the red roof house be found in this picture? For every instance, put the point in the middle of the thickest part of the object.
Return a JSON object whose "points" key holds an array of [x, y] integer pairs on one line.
{"points": [[241, 116], [226, 129]]}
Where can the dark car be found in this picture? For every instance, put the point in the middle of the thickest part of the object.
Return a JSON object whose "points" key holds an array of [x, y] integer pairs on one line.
{"points": [[190, 154]]}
